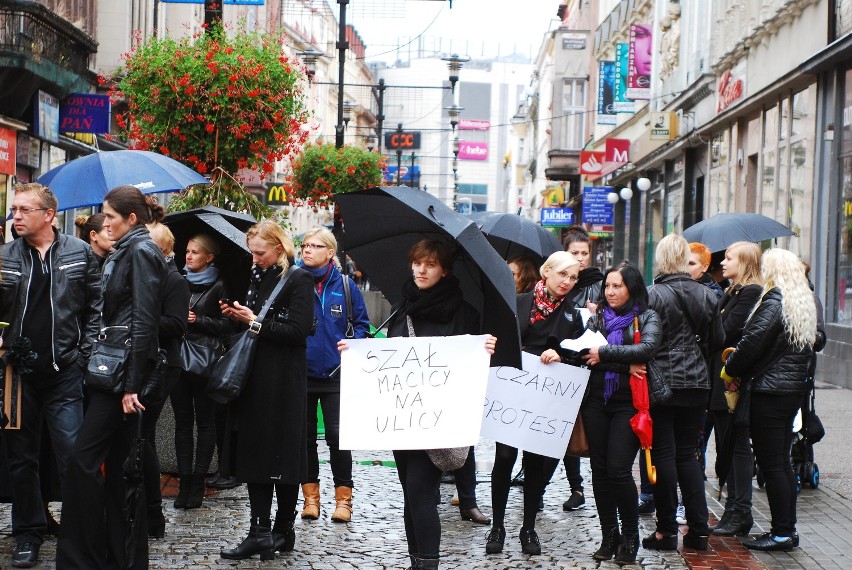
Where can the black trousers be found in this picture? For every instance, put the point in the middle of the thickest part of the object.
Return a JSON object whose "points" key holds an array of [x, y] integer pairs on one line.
{"points": [[674, 454], [537, 470], [341, 460], [741, 471], [774, 414], [260, 501], [420, 481], [92, 535], [192, 405], [153, 492], [58, 399], [466, 482], [613, 447]]}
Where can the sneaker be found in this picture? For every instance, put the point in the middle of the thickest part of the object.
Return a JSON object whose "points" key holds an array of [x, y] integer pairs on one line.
{"points": [[647, 508], [680, 515], [575, 501]]}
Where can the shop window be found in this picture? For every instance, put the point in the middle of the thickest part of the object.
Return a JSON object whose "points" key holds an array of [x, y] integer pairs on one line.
{"points": [[802, 144]]}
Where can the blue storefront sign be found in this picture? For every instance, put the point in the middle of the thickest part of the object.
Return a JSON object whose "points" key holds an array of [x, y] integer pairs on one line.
{"points": [[84, 113], [596, 208], [554, 217], [406, 173]]}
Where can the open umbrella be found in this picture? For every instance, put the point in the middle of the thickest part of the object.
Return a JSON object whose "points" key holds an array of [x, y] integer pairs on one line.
{"points": [[381, 225], [719, 231], [135, 522], [229, 230], [513, 235], [86, 180], [641, 423]]}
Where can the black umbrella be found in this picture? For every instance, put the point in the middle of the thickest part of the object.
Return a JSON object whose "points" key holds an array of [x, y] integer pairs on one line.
{"points": [[228, 229], [381, 225], [135, 521], [719, 231], [513, 235]]}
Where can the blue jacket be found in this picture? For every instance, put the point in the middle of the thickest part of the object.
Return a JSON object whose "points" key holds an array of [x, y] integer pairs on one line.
{"points": [[330, 313]]}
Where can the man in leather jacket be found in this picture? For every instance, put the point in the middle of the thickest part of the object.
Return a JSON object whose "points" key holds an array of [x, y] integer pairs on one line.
{"points": [[49, 295]]}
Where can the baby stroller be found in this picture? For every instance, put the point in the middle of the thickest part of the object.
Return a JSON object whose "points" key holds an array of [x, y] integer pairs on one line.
{"points": [[811, 432]]}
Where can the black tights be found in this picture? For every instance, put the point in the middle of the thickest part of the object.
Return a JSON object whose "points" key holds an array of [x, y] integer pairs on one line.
{"points": [[535, 467], [260, 498], [192, 405]]}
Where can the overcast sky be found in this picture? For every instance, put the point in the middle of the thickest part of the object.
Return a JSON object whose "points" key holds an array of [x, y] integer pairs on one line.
{"points": [[470, 27]]}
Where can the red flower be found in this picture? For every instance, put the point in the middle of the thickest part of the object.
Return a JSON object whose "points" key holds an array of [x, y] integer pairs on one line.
{"points": [[210, 127], [351, 170]]}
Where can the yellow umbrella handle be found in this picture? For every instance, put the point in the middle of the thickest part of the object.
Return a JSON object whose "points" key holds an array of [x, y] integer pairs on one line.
{"points": [[726, 353], [652, 471]]}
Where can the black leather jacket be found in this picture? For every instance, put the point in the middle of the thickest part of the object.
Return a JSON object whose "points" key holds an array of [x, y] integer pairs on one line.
{"points": [[75, 296], [619, 357], [133, 282], [682, 303], [764, 355], [173, 316]]}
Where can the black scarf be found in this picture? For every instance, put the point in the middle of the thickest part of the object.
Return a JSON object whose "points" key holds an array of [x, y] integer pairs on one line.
{"points": [[589, 276], [439, 303], [256, 276]]}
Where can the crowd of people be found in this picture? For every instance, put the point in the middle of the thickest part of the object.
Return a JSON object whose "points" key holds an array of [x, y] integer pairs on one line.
{"points": [[105, 326]]}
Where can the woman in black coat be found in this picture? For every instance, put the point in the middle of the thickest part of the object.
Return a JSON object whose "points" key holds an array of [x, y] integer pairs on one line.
{"points": [[691, 331], [742, 267], [432, 305], [92, 532], [772, 360], [206, 326], [545, 318], [269, 415], [608, 407]]}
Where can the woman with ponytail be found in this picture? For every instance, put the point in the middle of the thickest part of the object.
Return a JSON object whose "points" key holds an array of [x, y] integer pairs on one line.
{"points": [[93, 526], [91, 230]]}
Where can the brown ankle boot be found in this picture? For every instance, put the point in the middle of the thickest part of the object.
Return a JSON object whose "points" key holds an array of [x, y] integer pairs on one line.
{"points": [[311, 493], [343, 508]]}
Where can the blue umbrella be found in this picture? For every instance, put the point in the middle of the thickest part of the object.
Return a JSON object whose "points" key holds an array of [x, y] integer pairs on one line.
{"points": [[86, 180]]}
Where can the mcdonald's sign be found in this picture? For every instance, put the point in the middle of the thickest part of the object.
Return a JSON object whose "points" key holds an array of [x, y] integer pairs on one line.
{"points": [[276, 196]]}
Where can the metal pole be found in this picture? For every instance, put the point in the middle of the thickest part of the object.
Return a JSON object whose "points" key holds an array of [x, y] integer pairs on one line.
{"points": [[398, 166], [342, 45], [380, 118], [413, 184], [156, 15]]}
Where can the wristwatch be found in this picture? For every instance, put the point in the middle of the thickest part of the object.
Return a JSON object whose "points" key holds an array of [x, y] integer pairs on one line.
{"points": [[254, 327]]}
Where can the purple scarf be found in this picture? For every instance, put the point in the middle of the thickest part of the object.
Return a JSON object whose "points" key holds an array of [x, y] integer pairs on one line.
{"points": [[615, 324]]}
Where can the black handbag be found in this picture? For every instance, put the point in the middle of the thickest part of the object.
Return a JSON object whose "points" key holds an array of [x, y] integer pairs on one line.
{"points": [[107, 366], [659, 391], [231, 371], [199, 355]]}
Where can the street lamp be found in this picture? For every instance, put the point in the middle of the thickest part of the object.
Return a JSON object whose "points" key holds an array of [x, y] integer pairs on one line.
{"points": [[453, 111], [455, 62], [347, 113], [643, 184], [370, 139], [310, 57]]}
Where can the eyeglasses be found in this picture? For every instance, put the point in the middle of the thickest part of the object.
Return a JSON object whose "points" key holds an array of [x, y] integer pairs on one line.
{"points": [[571, 278], [313, 246], [26, 211]]}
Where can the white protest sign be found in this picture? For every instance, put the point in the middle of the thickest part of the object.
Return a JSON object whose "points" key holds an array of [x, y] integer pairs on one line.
{"points": [[412, 393], [534, 409]]}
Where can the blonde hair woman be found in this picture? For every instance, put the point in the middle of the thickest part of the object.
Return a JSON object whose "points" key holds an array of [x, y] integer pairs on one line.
{"points": [[774, 353], [742, 267], [270, 411]]}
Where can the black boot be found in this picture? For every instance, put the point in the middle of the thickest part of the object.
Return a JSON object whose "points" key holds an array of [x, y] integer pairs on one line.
{"points": [[628, 549], [156, 522], [726, 516], [420, 563], [283, 533], [258, 541], [609, 545], [183, 491], [738, 524], [196, 492]]}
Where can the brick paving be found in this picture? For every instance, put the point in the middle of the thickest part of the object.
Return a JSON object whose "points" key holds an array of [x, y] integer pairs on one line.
{"points": [[376, 540]]}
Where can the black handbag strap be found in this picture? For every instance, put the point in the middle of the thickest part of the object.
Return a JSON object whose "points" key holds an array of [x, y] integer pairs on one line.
{"points": [[269, 300], [350, 322]]}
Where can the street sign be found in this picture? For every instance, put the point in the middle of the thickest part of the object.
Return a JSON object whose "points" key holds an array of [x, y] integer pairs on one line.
{"points": [[555, 217], [401, 140], [596, 208]]}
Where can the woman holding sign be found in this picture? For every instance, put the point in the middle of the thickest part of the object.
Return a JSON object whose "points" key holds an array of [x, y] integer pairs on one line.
{"points": [[432, 305], [545, 319], [608, 407]]}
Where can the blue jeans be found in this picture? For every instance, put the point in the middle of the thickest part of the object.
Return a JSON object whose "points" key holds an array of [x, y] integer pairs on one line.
{"points": [[58, 398]]}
